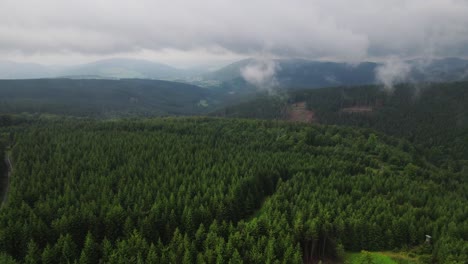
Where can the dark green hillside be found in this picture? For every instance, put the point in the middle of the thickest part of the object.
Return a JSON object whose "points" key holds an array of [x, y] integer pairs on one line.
{"points": [[103, 98], [433, 115], [305, 74], [298, 73], [262, 107], [203, 190]]}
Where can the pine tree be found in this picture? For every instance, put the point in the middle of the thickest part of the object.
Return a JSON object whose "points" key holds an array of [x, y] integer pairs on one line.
{"points": [[107, 250], [236, 258], [152, 256], [90, 251], [49, 255], [33, 254], [66, 249]]}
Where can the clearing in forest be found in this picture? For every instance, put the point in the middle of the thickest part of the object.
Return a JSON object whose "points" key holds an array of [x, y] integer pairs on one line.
{"points": [[358, 109], [379, 257], [298, 112]]}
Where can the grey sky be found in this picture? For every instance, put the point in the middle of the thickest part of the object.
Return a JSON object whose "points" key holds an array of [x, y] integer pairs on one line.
{"points": [[205, 31]]}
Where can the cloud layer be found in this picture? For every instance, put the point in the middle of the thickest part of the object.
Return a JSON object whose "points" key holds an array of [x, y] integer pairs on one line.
{"points": [[321, 29]]}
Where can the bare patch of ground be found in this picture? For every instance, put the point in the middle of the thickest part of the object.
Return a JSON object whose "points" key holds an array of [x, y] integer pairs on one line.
{"points": [[357, 109], [298, 112]]}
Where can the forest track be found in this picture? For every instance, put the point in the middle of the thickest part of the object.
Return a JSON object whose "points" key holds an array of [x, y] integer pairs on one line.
{"points": [[5, 179]]}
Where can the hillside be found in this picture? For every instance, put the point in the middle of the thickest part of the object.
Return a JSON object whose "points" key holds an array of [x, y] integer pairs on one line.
{"points": [[125, 68], [434, 116], [302, 74], [103, 98], [204, 190], [289, 73], [296, 73], [15, 70], [116, 68]]}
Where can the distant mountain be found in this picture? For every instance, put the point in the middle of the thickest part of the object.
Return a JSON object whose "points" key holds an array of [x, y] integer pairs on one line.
{"points": [[125, 68], [15, 70], [299, 73], [228, 72], [447, 69], [312, 74], [102, 69], [290, 73]]}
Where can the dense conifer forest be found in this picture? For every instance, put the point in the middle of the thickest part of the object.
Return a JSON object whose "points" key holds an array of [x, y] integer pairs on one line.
{"points": [[210, 190], [433, 116]]}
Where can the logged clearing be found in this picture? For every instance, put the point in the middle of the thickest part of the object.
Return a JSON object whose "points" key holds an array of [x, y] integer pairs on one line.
{"points": [[380, 257], [298, 113], [357, 109]]}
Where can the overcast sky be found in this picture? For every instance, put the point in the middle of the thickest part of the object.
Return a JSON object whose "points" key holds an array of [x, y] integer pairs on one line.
{"points": [[191, 32]]}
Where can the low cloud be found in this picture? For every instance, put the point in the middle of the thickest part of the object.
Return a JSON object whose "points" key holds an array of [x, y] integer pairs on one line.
{"points": [[261, 73], [391, 72]]}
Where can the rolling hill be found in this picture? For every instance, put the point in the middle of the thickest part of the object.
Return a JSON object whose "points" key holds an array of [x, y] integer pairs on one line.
{"points": [[306, 74], [431, 115], [117, 68], [15, 70], [103, 98], [126, 68]]}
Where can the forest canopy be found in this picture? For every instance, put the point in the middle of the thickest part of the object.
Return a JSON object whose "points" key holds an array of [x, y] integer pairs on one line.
{"points": [[433, 116], [209, 190]]}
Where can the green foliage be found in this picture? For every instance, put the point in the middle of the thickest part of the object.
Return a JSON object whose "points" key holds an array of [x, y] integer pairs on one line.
{"points": [[33, 254], [366, 257], [6, 259], [102, 98], [432, 116], [266, 107], [208, 190], [90, 251]]}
